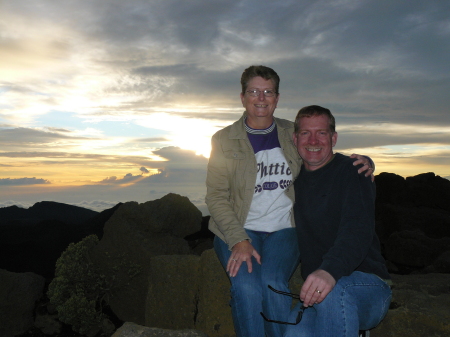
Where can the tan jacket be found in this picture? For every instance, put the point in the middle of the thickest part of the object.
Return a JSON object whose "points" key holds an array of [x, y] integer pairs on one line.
{"points": [[231, 178]]}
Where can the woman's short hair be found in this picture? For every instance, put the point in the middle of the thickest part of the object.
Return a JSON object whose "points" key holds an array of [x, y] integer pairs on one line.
{"points": [[259, 71]]}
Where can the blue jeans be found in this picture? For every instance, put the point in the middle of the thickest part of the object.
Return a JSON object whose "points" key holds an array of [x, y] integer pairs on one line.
{"points": [[249, 292], [357, 302]]}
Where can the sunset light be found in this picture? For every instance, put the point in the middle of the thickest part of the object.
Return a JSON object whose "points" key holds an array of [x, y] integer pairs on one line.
{"points": [[100, 105]]}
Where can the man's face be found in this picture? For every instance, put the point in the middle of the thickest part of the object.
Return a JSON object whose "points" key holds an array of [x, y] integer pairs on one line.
{"points": [[259, 107], [315, 141]]}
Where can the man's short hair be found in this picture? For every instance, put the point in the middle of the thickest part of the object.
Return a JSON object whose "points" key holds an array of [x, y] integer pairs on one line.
{"points": [[259, 71], [314, 110]]}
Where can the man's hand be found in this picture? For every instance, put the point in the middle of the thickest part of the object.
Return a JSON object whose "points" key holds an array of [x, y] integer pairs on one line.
{"points": [[367, 165], [241, 251], [316, 287]]}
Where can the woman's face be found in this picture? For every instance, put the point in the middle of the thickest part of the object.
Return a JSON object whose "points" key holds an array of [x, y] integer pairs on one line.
{"points": [[261, 107]]}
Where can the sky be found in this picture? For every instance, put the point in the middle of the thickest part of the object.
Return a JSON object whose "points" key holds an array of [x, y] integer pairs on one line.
{"points": [[112, 101]]}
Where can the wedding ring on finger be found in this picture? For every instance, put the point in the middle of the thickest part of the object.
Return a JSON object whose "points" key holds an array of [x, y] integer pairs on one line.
{"points": [[318, 291], [234, 260]]}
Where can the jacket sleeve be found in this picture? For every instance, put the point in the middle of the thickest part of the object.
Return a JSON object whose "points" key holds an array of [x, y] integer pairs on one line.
{"points": [[219, 198]]}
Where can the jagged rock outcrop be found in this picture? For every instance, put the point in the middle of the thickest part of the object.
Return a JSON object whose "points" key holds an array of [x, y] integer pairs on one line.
{"points": [[134, 330], [18, 295], [415, 249], [135, 234], [413, 221]]}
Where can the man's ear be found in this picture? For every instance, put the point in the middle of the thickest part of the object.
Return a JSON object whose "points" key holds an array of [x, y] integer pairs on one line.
{"points": [[334, 139], [294, 138]]}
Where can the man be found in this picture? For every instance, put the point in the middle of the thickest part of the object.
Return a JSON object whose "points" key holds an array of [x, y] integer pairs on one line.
{"points": [[346, 281]]}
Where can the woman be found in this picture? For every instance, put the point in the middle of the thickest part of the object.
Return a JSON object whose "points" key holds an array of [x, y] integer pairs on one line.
{"points": [[250, 198]]}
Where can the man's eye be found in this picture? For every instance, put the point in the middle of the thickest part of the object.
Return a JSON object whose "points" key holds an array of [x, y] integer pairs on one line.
{"points": [[268, 91]]}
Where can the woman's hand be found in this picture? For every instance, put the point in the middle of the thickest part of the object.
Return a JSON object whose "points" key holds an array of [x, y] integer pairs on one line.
{"points": [[367, 165], [241, 251]]}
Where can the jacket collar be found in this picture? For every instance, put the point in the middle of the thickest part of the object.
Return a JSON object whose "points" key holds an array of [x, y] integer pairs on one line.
{"points": [[237, 130]]}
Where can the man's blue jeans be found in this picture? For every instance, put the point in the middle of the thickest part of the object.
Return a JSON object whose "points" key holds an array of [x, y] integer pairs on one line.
{"points": [[249, 292], [357, 302]]}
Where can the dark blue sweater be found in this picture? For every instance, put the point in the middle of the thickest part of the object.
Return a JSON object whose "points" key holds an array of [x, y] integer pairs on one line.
{"points": [[335, 220]]}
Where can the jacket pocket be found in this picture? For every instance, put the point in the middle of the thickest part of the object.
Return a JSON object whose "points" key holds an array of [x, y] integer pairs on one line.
{"points": [[230, 154]]}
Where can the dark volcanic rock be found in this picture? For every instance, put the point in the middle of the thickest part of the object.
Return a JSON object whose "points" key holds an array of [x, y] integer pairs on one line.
{"points": [[413, 221], [136, 233], [18, 295], [46, 210], [34, 240]]}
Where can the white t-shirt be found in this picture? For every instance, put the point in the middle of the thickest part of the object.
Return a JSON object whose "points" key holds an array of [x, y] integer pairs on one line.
{"points": [[271, 208]]}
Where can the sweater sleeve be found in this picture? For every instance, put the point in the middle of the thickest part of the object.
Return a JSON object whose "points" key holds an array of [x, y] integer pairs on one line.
{"points": [[356, 226]]}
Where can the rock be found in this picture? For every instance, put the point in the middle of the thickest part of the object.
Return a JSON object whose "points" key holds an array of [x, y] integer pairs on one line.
{"points": [[413, 248], [132, 236], [18, 295], [31, 240], [420, 307], [420, 203], [214, 311], [442, 263], [48, 324], [172, 292], [134, 330]]}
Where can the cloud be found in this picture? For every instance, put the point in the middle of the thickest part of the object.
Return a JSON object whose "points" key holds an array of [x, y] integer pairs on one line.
{"points": [[23, 181], [96, 205], [106, 88], [144, 170], [127, 179], [8, 203]]}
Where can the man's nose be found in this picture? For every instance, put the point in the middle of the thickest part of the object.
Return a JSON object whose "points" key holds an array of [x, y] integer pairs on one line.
{"points": [[312, 138]]}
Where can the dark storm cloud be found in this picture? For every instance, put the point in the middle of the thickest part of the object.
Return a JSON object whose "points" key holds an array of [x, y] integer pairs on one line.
{"points": [[22, 181], [17, 136], [348, 139]]}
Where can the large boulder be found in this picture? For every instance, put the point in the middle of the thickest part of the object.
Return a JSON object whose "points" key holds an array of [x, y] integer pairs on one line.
{"points": [[172, 292], [413, 220], [18, 295], [132, 236], [214, 312]]}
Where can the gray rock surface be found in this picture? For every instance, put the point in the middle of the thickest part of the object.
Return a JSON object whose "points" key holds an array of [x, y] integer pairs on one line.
{"points": [[18, 295], [420, 307], [172, 292], [134, 330]]}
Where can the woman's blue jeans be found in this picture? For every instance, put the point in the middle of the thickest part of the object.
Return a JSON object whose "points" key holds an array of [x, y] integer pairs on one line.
{"points": [[357, 302], [249, 292]]}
